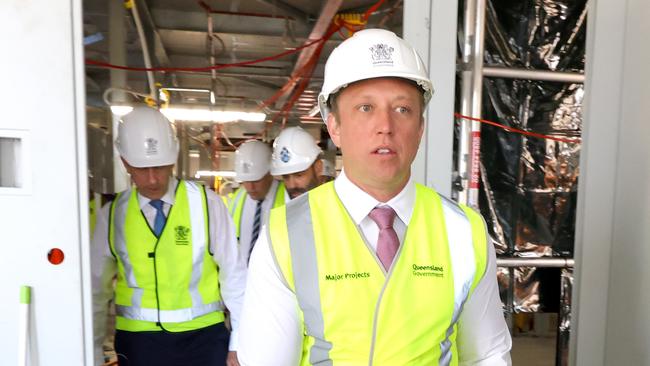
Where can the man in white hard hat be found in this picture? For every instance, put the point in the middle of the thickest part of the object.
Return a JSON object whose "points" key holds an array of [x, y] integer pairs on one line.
{"points": [[252, 202], [373, 268], [295, 160], [172, 246]]}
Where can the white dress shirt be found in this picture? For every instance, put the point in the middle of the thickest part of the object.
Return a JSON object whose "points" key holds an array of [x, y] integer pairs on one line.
{"points": [[483, 337], [248, 217], [223, 243]]}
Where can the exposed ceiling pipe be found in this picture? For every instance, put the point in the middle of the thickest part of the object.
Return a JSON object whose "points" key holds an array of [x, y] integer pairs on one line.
{"points": [[295, 13], [118, 180], [145, 51], [307, 58], [242, 13], [213, 59], [158, 47], [320, 28], [150, 28], [117, 50]]}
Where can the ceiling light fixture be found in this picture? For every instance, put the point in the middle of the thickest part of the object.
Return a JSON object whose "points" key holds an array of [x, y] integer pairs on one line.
{"points": [[208, 115], [194, 90], [215, 173], [121, 110]]}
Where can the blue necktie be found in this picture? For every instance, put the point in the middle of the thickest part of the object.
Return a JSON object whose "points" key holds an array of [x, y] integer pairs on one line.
{"points": [[159, 222]]}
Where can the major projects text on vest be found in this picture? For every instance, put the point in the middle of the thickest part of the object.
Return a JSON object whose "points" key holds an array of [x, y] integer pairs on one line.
{"points": [[346, 276], [419, 270]]}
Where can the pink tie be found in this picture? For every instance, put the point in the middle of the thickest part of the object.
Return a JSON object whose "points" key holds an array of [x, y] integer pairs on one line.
{"points": [[388, 243]]}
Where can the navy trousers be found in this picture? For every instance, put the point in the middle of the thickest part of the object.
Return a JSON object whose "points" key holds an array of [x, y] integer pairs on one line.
{"points": [[202, 347]]}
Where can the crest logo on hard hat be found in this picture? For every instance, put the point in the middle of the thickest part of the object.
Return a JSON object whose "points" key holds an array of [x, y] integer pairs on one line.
{"points": [[381, 53], [151, 146], [246, 167], [285, 155]]}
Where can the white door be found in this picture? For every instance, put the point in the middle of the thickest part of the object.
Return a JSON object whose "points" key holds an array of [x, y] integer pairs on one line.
{"points": [[43, 184]]}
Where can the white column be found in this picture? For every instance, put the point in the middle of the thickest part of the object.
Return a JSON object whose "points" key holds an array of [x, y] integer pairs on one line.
{"points": [[43, 106], [430, 27], [611, 298]]}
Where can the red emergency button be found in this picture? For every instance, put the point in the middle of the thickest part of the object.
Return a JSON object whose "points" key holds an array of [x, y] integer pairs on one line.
{"points": [[55, 256]]}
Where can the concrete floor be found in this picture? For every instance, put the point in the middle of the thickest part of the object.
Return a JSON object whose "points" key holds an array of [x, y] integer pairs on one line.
{"points": [[533, 350], [528, 348]]}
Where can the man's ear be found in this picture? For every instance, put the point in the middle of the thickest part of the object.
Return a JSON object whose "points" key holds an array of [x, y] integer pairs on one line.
{"points": [[422, 128], [126, 166], [334, 129], [318, 167]]}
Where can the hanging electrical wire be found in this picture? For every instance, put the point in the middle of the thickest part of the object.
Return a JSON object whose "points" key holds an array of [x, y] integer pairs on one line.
{"points": [[301, 78], [203, 68], [353, 23], [516, 130]]}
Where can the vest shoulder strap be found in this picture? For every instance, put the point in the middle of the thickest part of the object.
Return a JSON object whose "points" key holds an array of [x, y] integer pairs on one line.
{"points": [[279, 195], [478, 230]]}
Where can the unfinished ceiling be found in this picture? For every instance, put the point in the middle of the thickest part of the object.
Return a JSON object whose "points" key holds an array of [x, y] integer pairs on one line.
{"points": [[225, 34]]}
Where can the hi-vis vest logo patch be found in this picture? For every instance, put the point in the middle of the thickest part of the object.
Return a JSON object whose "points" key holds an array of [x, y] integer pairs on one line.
{"points": [[151, 146], [382, 54], [428, 271], [182, 235]]}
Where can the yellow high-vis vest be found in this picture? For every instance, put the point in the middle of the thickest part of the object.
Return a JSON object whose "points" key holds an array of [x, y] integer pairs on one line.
{"points": [[171, 283], [353, 311], [236, 205]]}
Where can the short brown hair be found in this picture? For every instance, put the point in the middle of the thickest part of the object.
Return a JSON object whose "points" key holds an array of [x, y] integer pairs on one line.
{"points": [[333, 106]]}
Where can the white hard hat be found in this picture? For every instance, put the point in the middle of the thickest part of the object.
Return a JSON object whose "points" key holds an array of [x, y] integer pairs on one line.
{"points": [[328, 168], [252, 161], [368, 54], [294, 150], [146, 138]]}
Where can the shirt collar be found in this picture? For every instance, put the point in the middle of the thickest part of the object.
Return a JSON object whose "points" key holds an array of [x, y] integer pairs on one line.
{"points": [[168, 197], [359, 203]]}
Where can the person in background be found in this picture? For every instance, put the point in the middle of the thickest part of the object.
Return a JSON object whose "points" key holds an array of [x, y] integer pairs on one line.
{"points": [[172, 245], [295, 160], [258, 193], [373, 268], [328, 173]]}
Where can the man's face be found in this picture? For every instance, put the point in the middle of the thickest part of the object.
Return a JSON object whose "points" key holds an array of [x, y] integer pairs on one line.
{"points": [[301, 182], [259, 188], [152, 182], [378, 124]]}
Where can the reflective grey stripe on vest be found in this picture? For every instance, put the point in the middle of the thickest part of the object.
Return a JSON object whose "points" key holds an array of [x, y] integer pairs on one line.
{"points": [[199, 247], [236, 201], [120, 247], [305, 269], [461, 248], [305, 274], [167, 316], [199, 241]]}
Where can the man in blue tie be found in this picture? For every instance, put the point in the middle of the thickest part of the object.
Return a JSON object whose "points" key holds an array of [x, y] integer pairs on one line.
{"points": [[171, 244]]}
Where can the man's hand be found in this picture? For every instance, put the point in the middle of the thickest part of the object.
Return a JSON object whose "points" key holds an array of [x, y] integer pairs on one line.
{"points": [[232, 359]]}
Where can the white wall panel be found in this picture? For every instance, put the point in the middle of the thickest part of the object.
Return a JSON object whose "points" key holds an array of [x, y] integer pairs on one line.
{"points": [[43, 100], [611, 298], [430, 27]]}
